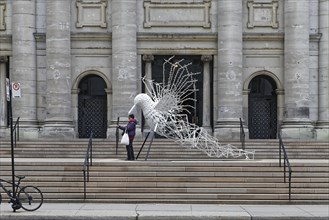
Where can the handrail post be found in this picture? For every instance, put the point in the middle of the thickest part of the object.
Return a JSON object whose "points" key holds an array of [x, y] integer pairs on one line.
{"points": [[285, 162], [86, 164], [242, 135], [84, 185], [91, 148], [290, 185]]}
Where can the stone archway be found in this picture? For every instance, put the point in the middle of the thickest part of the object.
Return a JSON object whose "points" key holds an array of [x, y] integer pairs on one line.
{"points": [[262, 108], [92, 107]]}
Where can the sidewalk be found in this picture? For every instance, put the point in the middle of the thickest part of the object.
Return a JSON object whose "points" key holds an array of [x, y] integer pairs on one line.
{"points": [[99, 211]]}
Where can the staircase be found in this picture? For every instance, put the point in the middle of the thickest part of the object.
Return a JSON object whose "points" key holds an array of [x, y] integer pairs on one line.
{"points": [[172, 174]]}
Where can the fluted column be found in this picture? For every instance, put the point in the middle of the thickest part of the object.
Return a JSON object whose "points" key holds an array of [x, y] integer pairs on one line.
{"points": [[322, 127], [297, 123], [59, 119], [206, 108], [229, 98], [24, 65], [3, 97], [124, 57]]}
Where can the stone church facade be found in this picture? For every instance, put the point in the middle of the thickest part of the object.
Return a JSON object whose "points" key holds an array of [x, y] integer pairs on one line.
{"points": [[79, 63]]}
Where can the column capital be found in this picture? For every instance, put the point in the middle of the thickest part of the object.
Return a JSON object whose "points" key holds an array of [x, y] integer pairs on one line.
{"points": [[3, 59], [148, 57], [279, 91], [206, 58]]}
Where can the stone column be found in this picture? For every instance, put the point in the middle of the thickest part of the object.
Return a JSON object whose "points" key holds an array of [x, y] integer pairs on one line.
{"points": [[280, 107], [59, 119], [296, 123], [24, 66], [206, 116], [148, 58], [322, 128], [229, 97], [3, 97], [124, 57]]}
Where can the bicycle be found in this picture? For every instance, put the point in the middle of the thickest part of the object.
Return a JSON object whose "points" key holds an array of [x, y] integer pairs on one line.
{"points": [[29, 198]]}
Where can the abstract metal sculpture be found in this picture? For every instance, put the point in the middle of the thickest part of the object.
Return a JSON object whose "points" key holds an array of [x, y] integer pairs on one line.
{"points": [[163, 104]]}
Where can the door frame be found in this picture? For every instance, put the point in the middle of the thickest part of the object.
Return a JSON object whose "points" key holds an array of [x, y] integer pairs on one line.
{"points": [[75, 95], [279, 93]]}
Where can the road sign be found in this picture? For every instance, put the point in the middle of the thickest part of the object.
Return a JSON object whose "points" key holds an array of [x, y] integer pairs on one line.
{"points": [[16, 90]]}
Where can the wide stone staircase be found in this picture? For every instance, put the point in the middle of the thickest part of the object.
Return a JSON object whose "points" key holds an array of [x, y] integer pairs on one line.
{"points": [[171, 174]]}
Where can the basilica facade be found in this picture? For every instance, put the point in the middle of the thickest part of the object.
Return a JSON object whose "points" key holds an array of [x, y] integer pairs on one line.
{"points": [[76, 65]]}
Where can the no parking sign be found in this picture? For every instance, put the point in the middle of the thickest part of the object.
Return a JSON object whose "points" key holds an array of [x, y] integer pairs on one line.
{"points": [[16, 90]]}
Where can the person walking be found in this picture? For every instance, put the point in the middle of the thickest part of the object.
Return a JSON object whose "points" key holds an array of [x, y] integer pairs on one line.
{"points": [[131, 130]]}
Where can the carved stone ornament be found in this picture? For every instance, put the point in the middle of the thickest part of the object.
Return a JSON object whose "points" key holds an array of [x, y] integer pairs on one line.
{"points": [[263, 14], [177, 13], [2, 17], [91, 14]]}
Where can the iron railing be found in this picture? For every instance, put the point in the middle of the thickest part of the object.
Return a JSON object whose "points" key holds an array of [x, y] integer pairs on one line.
{"points": [[16, 131], [285, 162], [242, 135], [87, 163]]}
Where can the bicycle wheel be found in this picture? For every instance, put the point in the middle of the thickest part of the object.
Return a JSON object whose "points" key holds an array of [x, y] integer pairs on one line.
{"points": [[30, 197]]}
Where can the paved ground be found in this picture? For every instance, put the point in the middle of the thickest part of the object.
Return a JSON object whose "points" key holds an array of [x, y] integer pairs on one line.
{"points": [[70, 211]]}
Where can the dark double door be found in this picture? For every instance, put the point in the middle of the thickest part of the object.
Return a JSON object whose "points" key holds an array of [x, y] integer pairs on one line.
{"points": [[92, 108], [262, 108]]}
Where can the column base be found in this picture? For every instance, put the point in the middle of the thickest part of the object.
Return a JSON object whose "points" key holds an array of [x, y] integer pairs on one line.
{"points": [[58, 131], [4, 132], [227, 130], [24, 133], [297, 129], [322, 131]]}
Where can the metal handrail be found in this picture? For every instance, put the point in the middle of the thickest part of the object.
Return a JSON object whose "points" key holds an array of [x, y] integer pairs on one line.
{"points": [[286, 162], [16, 131], [242, 135], [87, 163]]}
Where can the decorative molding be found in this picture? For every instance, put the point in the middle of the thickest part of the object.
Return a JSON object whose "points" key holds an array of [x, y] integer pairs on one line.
{"points": [[2, 17], [3, 59], [263, 14], [91, 14], [176, 14], [148, 57], [206, 58]]}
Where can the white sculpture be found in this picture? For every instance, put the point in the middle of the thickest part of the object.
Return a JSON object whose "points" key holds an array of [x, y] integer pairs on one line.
{"points": [[163, 105]]}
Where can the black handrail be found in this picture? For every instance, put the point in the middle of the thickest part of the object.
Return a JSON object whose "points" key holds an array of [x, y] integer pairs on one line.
{"points": [[87, 163], [242, 135], [16, 131], [286, 162]]}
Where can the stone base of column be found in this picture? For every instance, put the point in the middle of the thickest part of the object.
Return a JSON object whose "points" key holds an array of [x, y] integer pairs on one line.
{"points": [[297, 129], [29, 133], [4, 132], [227, 130], [58, 130], [322, 130], [208, 129]]}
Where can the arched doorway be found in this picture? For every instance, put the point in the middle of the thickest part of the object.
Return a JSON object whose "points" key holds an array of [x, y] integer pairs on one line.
{"points": [[92, 107], [262, 110]]}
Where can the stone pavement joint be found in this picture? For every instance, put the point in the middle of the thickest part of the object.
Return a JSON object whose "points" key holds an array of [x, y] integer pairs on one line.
{"points": [[110, 211]]}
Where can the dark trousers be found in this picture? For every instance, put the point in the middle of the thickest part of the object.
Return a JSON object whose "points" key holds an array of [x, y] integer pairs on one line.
{"points": [[130, 151]]}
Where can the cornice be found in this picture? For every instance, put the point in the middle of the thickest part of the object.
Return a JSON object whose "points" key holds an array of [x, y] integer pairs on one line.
{"points": [[177, 36]]}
